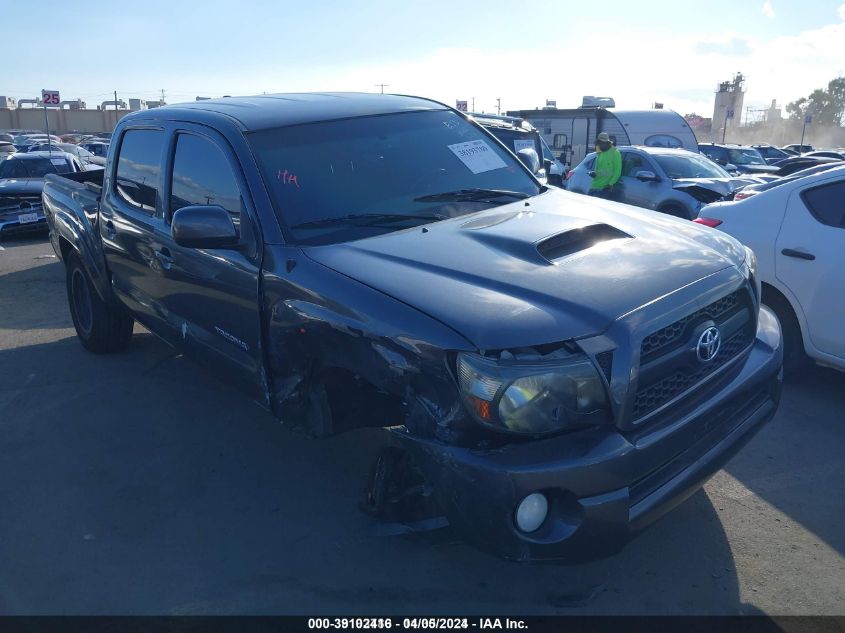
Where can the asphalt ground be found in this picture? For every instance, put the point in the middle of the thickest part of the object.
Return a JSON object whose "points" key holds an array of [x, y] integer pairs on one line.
{"points": [[139, 484]]}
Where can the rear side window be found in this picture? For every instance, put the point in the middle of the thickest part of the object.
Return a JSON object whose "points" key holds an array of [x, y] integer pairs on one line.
{"points": [[827, 203], [138, 168], [202, 175]]}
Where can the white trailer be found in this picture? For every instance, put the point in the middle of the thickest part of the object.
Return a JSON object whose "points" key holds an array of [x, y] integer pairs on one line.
{"points": [[572, 132]]}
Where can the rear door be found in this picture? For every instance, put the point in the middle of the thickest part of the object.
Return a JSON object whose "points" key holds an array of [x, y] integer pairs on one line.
{"points": [[810, 260], [131, 215], [211, 296]]}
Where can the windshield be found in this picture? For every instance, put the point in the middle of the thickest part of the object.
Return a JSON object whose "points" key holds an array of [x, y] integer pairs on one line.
{"points": [[33, 168], [745, 157], [322, 177], [691, 166]]}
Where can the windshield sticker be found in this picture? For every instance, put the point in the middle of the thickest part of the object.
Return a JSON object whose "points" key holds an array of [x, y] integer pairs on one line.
{"points": [[477, 155], [519, 144], [57, 161], [287, 178]]}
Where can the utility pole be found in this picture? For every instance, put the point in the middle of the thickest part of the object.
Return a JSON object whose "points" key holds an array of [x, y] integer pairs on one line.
{"points": [[807, 119], [162, 96], [382, 86], [115, 99], [499, 106], [50, 141], [473, 104]]}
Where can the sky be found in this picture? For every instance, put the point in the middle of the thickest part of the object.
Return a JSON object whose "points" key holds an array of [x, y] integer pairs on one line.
{"points": [[638, 52]]}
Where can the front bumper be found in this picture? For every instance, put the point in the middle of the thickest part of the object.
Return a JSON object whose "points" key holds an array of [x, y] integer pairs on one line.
{"points": [[10, 224], [602, 484]]}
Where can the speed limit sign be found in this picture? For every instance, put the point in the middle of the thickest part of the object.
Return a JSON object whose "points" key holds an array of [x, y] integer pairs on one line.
{"points": [[50, 97]]}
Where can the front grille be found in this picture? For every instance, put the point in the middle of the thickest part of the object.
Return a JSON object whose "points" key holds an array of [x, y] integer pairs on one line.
{"points": [[664, 390], [668, 364], [656, 343], [12, 203], [605, 362]]}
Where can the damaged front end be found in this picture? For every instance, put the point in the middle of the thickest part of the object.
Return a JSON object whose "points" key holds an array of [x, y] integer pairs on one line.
{"points": [[706, 193]]}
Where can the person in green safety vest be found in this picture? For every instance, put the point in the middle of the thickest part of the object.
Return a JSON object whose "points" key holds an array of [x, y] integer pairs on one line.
{"points": [[608, 168]]}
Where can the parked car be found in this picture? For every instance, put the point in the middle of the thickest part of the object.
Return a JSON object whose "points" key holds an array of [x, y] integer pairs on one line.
{"points": [[798, 233], [98, 149], [6, 138], [826, 153], [21, 182], [797, 148], [85, 157], [770, 153], [517, 135], [751, 190], [794, 164], [6, 149], [672, 181], [371, 260], [746, 160]]}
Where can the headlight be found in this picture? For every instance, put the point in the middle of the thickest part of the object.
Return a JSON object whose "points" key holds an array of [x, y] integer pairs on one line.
{"points": [[532, 398], [753, 273]]}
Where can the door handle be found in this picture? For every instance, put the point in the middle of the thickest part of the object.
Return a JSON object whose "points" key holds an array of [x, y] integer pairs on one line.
{"points": [[110, 230], [791, 252], [164, 257]]}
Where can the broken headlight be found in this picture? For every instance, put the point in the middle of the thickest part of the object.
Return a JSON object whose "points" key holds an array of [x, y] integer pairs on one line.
{"points": [[532, 397]]}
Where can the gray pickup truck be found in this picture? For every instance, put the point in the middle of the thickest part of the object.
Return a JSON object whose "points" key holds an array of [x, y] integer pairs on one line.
{"points": [[555, 371]]}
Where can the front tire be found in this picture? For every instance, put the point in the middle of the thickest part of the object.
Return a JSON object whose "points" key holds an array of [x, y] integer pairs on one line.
{"points": [[100, 327], [794, 355]]}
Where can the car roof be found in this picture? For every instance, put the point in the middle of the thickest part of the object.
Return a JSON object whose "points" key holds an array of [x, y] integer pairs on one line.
{"points": [[42, 154], [278, 110]]}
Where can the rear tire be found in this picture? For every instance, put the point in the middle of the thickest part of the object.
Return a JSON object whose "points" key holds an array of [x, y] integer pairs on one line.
{"points": [[794, 355], [101, 328]]}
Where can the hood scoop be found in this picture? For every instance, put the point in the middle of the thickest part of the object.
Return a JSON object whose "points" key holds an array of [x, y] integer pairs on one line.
{"points": [[580, 239]]}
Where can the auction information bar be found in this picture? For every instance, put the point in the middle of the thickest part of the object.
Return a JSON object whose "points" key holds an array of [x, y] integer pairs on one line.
{"points": [[535, 624]]}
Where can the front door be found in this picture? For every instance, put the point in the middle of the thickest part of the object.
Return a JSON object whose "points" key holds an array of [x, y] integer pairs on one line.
{"points": [[212, 296], [632, 190], [810, 261]]}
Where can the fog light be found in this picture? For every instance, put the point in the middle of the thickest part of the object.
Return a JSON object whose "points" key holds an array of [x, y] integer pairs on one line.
{"points": [[531, 512]]}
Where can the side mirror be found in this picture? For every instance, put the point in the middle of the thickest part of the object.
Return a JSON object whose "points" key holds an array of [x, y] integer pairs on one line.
{"points": [[729, 167], [647, 176], [530, 159], [547, 165], [203, 226]]}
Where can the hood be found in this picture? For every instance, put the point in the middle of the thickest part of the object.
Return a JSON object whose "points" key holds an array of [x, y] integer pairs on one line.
{"points": [[564, 266], [21, 186], [755, 169]]}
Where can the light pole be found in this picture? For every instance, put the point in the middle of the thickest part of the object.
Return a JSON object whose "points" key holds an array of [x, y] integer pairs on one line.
{"points": [[382, 86], [499, 106]]}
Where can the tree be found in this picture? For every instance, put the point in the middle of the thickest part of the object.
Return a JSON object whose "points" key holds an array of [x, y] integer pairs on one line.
{"points": [[827, 107]]}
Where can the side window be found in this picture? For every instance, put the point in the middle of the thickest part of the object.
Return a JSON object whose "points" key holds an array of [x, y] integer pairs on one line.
{"points": [[560, 141], [202, 175], [632, 164], [827, 203], [137, 176]]}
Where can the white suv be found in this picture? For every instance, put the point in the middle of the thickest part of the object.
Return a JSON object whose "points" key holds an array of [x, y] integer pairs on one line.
{"points": [[798, 233]]}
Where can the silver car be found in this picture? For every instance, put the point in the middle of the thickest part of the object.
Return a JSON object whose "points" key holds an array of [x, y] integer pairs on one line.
{"points": [[673, 181]]}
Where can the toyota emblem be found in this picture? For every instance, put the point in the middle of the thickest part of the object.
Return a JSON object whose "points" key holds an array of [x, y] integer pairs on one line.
{"points": [[24, 206], [708, 344]]}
